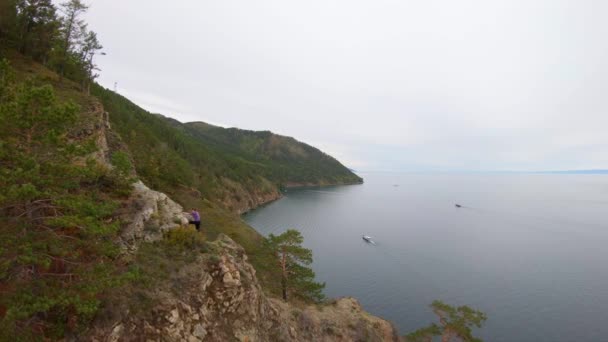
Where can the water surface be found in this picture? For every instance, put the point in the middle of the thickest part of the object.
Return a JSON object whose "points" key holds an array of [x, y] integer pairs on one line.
{"points": [[528, 250]]}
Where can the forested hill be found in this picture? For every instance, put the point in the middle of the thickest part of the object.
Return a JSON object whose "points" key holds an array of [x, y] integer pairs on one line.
{"points": [[237, 168], [285, 159]]}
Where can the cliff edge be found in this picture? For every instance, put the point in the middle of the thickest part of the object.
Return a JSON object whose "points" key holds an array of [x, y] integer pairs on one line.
{"points": [[217, 297], [215, 294]]}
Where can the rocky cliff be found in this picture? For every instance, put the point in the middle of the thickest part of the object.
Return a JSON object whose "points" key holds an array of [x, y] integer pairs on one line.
{"points": [[239, 200], [148, 214], [217, 297]]}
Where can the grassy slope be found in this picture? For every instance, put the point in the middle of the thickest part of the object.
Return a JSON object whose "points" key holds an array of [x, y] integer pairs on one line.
{"points": [[26, 69], [60, 286]]}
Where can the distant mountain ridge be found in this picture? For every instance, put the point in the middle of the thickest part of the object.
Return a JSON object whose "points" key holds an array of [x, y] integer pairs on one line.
{"points": [[578, 172]]}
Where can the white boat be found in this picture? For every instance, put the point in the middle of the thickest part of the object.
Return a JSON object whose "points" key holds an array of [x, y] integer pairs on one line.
{"points": [[368, 238]]}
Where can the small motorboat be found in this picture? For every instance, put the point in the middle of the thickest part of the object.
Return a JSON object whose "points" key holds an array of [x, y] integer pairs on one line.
{"points": [[368, 239], [458, 205]]}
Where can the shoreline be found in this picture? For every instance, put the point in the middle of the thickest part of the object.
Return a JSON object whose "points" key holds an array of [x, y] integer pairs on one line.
{"points": [[295, 187]]}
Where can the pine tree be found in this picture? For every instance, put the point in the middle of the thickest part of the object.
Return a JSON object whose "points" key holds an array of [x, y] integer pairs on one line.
{"points": [[71, 31], [8, 22], [90, 48], [36, 25], [453, 323], [296, 278]]}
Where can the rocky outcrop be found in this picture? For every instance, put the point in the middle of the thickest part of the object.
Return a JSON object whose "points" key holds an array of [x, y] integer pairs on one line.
{"points": [[149, 214], [94, 127], [342, 320], [220, 299], [239, 199]]}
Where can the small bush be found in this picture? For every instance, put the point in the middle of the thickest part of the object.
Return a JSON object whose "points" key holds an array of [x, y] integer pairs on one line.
{"points": [[185, 238]]}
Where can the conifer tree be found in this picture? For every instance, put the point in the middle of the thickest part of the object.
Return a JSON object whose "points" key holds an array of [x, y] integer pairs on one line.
{"points": [[454, 322], [90, 48], [8, 19], [296, 278], [36, 25], [71, 31]]}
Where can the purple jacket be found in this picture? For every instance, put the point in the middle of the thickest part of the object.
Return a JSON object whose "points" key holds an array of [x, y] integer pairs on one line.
{"points": [[195, 215]]}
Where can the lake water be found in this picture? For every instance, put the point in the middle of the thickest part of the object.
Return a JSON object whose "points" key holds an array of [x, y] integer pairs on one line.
{"points": [[528, 249]]}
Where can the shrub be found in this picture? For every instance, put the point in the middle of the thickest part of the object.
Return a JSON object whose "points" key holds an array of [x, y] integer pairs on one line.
{"points": [[183, 238]]}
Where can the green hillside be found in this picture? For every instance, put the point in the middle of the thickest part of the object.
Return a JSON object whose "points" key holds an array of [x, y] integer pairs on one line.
{"points": [[284, 159], [231, 166], [60, 219]]}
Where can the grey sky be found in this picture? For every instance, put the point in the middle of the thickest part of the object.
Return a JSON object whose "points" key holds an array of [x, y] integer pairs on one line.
{"points": [[381, 85]]}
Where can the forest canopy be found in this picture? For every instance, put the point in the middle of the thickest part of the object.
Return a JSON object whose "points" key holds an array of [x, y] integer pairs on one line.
{"points": [[55, 36]]}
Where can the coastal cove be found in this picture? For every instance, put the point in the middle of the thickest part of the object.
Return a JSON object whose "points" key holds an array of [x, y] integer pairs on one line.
{"points": [[523, 248]]}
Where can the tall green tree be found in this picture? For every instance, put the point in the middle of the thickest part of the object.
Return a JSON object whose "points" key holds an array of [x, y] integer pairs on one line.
{"points": [[454, 323], [8, 20], [297, 279], [71, 30], [90, 47], [64, 42], [36, 25]]}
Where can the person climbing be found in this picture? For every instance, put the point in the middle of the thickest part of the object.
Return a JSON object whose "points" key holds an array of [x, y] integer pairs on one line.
{"points": [[196, 219]]}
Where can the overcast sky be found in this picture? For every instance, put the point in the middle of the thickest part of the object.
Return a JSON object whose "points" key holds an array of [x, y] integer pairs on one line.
{"points": [[381, 85]]}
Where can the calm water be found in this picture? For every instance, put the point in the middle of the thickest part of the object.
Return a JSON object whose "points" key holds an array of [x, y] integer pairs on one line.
{"points": [[528, 250]]}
